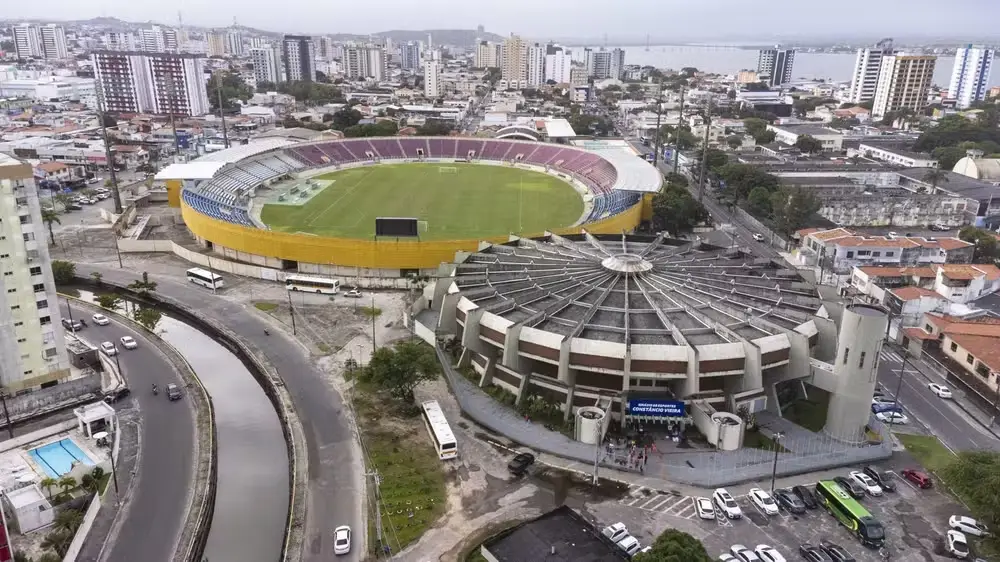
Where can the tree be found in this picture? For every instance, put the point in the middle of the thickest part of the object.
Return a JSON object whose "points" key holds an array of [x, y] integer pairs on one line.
{"points": [[233, 88], [346, 117], [63, 272], [57, 541], [757, 128], [792, 207], [69, 519], [143, 287], [675, 211], [740, 179], [948, 156], [435, 129], [87, 482], [67, 483], [986, 250], [109, 301], [109, 121], [149, 318], [759, 202], [766, 137], [676, 179], [49, 216], [734, 141], [843, 123], [400, 368], [682, 137], [675, 546], [935, 176], [48, 484], [808, 144], [264, 86], [974, 476]]}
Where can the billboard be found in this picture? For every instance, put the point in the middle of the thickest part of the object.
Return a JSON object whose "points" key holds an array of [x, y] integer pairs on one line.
{"points": [[395, 226], [656, 408]]}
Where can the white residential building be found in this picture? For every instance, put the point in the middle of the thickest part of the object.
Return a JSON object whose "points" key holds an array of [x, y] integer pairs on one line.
{"points": [[904, 82], [432, 79], [158, 39], [514, 67], [32, 344], [158, 83], [119, 41], [970, 79], [410, 55], [52, 41], [364, 63], [298, 56], [866, 72], [558, 64], [266, 64], [536, 65], [215, 44], [234, 44], [27, 43], [774, 66], [588, 61], [488, 55]]}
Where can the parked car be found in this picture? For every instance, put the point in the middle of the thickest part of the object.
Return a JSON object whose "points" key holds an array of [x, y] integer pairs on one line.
{"points": [[941, 390], [744, 554], [807, 496], [109, 349], [353, 294], [704, 508], [758, 237], [72, 325], [763, 500], [117, 394], [174, 392], [939, 227], [768, 554], [725, 502], [128, 342], [73, 207], [968, 525], [629, 544], [885, 407], [882, 399], [836, 552], [520, 463], [885, 479], [917, 478], [850, 486], [956, 544], [100, 319], [92, 181], [871, 487], [342, 540], [892, 418], [813, 553], [728, 558], [789, 501], [615, 532]]}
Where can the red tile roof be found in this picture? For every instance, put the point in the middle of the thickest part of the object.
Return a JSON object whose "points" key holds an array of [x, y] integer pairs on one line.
{"points": [[914, 293]]}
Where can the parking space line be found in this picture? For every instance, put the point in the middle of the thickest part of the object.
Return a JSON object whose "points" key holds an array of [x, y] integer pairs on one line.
{"points": [[687, 508], [653, 500], [656, 504], [675, 504], [636, 500], [682, 505]]}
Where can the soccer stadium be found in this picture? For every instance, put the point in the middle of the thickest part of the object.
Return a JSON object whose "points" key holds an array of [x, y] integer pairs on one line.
{"points": [[313, 206]]}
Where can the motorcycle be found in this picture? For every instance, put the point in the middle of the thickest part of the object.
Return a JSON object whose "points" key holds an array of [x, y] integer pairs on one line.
{"points": [[155, 390]]}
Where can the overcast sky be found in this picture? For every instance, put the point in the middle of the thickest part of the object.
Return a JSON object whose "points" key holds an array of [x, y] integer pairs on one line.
{"points": [[681, 19]]}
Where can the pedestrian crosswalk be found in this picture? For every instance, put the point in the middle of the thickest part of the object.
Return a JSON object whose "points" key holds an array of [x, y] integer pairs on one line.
{"points": [[890, 356]]}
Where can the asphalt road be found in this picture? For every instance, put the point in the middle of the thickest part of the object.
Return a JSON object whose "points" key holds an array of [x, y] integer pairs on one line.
{"points": [[153, 523], [335, 487], [941, 417]]}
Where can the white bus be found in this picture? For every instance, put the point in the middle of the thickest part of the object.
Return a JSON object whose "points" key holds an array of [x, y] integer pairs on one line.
{"points": [[204, 278], [439, 430], [312, 284]]}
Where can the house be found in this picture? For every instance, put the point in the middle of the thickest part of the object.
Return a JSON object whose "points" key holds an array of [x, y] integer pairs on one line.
{"points": [[831, 139], [969, 347], [839, 250], [951, 282], [897, 156], [57, 171]]}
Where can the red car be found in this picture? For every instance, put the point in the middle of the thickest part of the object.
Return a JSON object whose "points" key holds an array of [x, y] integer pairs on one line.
{"points": [[920, 479]]}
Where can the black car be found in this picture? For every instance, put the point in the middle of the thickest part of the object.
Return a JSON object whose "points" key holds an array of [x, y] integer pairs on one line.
{"points": [[72, 325], [850, 486], [836, 552], [117, 394], [173, 392], [807, 496], [882, 478], [813, 553], [520, 463], [788, 500]]}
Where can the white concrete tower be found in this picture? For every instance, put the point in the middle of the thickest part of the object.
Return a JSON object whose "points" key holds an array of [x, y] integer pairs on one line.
{"points": [[862, 333]]}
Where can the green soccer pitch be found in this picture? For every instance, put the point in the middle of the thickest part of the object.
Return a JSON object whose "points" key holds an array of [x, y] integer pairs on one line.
{"points": [[454, 201]]}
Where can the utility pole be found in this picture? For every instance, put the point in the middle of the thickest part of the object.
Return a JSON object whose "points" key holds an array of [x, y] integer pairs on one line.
{"points": [[377, 481], [703, 175], [172, 92], [677, 133], [222, 113], [291, 310], [115, 196], [659, 113]]}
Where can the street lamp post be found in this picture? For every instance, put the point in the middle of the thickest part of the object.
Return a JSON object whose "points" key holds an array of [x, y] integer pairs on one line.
{"points": [[6, 413], [114, 469], [774, 471]]}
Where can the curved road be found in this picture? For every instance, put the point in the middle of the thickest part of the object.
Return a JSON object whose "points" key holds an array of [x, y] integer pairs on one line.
{"points": [[336, 483], [155, 515]]}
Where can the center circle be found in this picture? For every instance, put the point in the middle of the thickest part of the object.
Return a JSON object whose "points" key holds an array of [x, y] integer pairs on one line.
{"points": [[626, 263]]}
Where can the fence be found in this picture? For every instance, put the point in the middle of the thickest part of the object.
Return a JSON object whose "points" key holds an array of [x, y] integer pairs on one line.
{"points": [[83, 530], [771, 237], [984, 402]]}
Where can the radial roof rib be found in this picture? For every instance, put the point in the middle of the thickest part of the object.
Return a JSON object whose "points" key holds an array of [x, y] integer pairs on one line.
{"points": [[579, 248], [596, 244], [675, 332], [651, 247], [696, 311], [585, 319]]}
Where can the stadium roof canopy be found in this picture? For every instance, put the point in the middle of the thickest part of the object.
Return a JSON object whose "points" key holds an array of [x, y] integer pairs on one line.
{"points": [[634, 173], [207, 166], [190, 171], [558, 129]]}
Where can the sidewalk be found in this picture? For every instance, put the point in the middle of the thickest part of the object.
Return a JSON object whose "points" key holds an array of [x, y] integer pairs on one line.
{"points": [[933, 372]]}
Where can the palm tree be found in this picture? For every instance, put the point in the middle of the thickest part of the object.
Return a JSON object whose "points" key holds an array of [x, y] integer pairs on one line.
{"points": [[48, 484], [62, 198], [49, 216], [67, 483], [68, 520], [57, 541], [49, 557], [935, 176]]}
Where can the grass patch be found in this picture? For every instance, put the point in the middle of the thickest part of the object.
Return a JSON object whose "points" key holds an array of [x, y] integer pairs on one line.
{"points": [[928, 451], [413, 478], [323, 348], [478, 201], [757, 440], [370, 311], [102, 482], [266, 306], [810, 414]]}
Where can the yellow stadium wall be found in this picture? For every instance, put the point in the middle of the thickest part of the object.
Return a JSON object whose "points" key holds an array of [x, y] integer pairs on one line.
{"points": [[174, 193], [647, 207], [381, 254]]}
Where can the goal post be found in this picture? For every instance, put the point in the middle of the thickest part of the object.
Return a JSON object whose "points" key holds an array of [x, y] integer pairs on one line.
{"points": [[447, 170]]}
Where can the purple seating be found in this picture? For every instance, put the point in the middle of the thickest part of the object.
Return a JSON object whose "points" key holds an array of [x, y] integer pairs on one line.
{"points": [[465, 146], [437, 148], [388, 148], [410, 147]]}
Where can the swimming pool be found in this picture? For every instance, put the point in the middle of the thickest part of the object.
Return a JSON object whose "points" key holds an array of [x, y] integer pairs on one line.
{"points": [[57, 458]]}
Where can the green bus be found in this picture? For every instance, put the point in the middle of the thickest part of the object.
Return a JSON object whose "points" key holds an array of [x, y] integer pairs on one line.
{"points": [[850, 514]]}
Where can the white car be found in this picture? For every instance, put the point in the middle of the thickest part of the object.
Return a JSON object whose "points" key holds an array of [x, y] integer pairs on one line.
{"points": [[758, 237], [615, 532], [764, 501], [728, 558], [101, 320], [705, 508], [342, 540], [882, 400], [630, 545], [768, 554], [870, 486], [128, 342], [724, 501], [353, 294], [941, 390], [743, 553], [109, 349], [968, 525], [956, 544], [892, 417]]}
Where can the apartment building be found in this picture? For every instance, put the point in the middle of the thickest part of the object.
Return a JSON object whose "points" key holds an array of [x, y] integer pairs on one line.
{"points": [[514, 67], [970, 78], [234, 44], [119, 41], [774, 66], [904, 83], [558, 64], [297, 56], [365, 63], [158, 39], [32, 344], [215, 44], [432, 79], [536, 65], [488, 55], [410, 56], [266, 64], [867, 69], [157, 83], [52, 41], [606, 64], [39, 41]]}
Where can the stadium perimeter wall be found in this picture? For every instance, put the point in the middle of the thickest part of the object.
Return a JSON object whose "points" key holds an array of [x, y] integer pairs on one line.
{"points": [[228, 238]]}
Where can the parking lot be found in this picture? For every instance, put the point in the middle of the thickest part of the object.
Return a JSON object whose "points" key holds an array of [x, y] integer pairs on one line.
{"points": [[914, 520]]}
